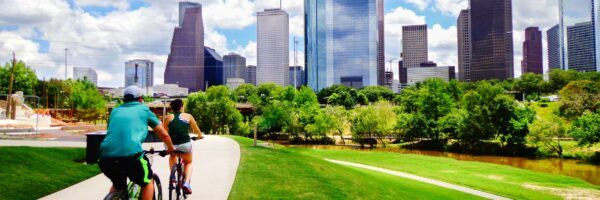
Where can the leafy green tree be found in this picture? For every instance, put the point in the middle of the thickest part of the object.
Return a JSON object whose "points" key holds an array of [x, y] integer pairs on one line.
{"points": [[376, 121], [340, 120], [530, 84], [244, 92], [377, 93], [409, 126], [586, 129], [87, 100], [577, 97], [218, 92], [306, 98], [325, 93], [548, 133], [215, 112], [197, 106], [289, 93], [321, 126], [274, 119], [560, 78], [24, 78]]}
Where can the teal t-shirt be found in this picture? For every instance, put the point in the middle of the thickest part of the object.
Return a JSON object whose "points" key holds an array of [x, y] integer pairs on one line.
{"points": [[127, 129]]}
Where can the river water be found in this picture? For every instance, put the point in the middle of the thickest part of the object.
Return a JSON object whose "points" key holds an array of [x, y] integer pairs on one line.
{"points": [[573, 168]]}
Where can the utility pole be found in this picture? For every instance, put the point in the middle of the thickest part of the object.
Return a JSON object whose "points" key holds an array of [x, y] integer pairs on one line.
{"points": [[135, 78], [10, 85], [66, 50]]}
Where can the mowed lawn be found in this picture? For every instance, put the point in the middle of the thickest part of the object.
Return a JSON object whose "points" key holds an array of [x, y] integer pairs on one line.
{"points": [[32, 173], [266, 173], [497, 179]]}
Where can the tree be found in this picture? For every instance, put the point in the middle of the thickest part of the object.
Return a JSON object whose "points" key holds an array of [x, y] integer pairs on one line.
{"points": [[322, 124], [87, 100], [548, 133], [377, 93], [586, 129], [197, 106], [215, 112], [560, 78], [306, 97], [376, 121], [24, 78], [577, 97], [340, 120], [530, 84], [274, 118], [244, 92]]}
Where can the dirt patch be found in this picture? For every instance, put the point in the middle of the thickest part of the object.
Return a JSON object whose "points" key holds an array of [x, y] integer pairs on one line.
{"points": [[567, 193]]}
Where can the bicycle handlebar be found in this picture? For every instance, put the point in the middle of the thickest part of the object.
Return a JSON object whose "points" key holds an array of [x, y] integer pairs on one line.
{"points": [[162, 153]]}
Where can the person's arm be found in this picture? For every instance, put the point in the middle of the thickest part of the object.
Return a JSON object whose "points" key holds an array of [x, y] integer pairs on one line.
{"points": [[166, 123], [164, 136], [195, 128]]}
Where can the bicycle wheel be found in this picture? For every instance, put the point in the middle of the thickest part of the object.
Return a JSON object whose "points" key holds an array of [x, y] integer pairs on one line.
{"points": [[174, 183], [157, 188]]}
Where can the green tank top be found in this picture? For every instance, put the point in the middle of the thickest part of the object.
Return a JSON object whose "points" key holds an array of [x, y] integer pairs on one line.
{"points": [[179, 130]]}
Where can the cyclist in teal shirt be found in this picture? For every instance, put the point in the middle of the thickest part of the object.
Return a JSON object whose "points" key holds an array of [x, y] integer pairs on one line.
{"points": [[121, 153]]}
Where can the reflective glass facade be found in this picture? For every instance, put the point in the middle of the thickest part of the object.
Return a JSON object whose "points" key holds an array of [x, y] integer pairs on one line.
{"points": [[344, 43], [580, 40]]}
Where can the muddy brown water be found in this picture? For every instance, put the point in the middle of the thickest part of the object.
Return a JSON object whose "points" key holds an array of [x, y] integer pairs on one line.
{"points": [[566, 167]]}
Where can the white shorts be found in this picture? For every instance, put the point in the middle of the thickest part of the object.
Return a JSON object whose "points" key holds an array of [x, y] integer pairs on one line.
{"points": [[185, 147]]}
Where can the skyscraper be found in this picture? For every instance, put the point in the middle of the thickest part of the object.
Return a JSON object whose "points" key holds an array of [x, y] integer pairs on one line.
{"points": [[145, 73], [85, 73], [344, 43], [532, 52], [491, 39], [464, 45], [414, 45], [552, 35], [273, 47], [213, 68], [234, 66], [300, 76], [185, 65], [579, 35], [251, 74]]}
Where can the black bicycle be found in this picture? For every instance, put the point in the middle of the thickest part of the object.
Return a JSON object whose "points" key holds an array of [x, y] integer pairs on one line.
{"points": [[134, 190], [176, 179]]}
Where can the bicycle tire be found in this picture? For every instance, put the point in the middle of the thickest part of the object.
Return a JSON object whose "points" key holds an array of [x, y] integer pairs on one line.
{"points": [[174, 188], [157, 188]]}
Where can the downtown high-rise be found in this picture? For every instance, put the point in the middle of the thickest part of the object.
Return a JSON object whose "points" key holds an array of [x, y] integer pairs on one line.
{"points": [[213, 68], [344, 43], [185, 65], [272, 47], [140, 73], [532, 52], [491, 40], [414, 45], [85, 73], [464, 45], [553, 38], [234, 66], [580, 35]]}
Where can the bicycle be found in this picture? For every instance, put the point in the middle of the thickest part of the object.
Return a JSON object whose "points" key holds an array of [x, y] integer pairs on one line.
{"points": [[176, 178], [133, 190]]}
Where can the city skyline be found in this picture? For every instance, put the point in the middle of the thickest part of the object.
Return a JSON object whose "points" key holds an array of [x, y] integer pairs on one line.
{"points": [[233, 35]]}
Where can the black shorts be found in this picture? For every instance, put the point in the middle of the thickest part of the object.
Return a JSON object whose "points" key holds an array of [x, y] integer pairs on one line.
{"points": [[136, 168]]}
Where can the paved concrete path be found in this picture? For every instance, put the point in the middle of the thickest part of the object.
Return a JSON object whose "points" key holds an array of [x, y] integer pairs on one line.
{"points": [[215, 164], [422, 179]]}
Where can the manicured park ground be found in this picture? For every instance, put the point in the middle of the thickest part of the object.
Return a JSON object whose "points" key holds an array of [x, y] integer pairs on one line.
{"points": [[31, 173], [283, 173]]}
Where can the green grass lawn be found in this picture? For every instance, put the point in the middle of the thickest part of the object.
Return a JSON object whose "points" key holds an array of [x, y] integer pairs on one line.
{"points": [[32, 173], [498, 179], [266, 173], [546, 113]]}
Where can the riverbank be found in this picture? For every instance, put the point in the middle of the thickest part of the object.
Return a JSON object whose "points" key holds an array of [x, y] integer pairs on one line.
{"points": [[31, 173], [498, 179], [267, 173]]}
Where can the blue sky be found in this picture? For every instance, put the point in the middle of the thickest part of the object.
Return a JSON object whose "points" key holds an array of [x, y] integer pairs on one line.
{"points": [[103, 34]]}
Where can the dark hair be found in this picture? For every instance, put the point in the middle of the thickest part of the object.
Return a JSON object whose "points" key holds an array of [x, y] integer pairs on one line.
{"points": [[176, 105], [129, 98]]}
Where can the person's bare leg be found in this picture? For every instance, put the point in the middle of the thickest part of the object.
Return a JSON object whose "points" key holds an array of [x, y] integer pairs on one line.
{"points": [[187, 166], [148, 191], [172, 160], [112, 189]]}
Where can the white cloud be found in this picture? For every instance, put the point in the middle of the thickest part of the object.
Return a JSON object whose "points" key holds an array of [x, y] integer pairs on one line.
{"points": [[451, 7], [119, 4], [394, 21], [420, 4]]}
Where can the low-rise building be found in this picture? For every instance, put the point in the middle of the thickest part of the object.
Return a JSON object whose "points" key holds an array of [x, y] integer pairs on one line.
{"points": [[171, 90], [234, 83]]}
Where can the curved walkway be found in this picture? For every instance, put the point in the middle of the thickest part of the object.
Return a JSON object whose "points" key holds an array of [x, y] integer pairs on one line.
{"points": [[421, 179], [215, 164]]}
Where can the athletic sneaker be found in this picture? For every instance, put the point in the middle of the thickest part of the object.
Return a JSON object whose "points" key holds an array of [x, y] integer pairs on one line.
{"points": [[187, 189]]}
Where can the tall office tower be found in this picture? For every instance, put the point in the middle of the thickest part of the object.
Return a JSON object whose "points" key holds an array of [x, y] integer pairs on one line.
{"points": [[145, 73], [213, 68], [414, 45], [300, 76], [251, 74], [579, 34], [532, 52], [273, 47], [381, 72], [491, 40], [343, 43], [234, 66], [553, 47], [389, 78], [464, 45], [85, 73], [185, 65]]}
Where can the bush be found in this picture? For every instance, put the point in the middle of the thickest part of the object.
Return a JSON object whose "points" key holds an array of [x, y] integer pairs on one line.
{"points": [[544, 105]]}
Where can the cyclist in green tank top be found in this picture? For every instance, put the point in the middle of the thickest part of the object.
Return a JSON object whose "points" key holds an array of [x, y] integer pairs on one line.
{"points": [[178, 125]]}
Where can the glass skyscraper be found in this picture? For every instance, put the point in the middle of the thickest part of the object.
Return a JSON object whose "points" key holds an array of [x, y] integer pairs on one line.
{"points": [[579, 35], [344, 43], [213, 68]]}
